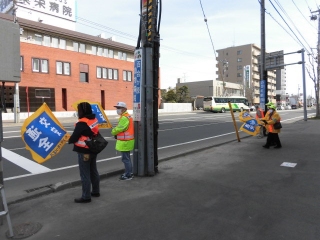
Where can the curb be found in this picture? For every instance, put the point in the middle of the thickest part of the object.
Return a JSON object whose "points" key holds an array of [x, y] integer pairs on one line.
{"points": [[60, 186]]}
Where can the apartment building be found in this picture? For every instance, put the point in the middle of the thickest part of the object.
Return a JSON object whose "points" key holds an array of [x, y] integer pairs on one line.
{"points": [[240, 64], [60, 66]]}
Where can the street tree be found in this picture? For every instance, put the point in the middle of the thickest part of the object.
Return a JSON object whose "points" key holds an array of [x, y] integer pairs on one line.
{"points": [[314, 75], [183, 95]]}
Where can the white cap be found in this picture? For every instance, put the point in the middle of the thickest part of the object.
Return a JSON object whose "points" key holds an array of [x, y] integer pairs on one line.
{"points": [[121, 104]]}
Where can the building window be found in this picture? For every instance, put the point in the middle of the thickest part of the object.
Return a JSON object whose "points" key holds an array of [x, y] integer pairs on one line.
{"points": [[239, 74], [38, 39], [239, 59], [110, 53], [21, 63], [75, 46], [40, 65], [239, 67], [120, 55], [124, 56], [84, 72], [55, 42], [62, 44], [82, 48], [239, 52], [94, 50], [115, 74], [63, 68], [127, 76], [104, 73], [99, 52], [99, 72], [110, 73], [105, 52], [46, 41]]}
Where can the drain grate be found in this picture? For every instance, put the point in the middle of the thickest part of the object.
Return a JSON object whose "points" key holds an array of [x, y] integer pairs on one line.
{"points": [[38, 188]]}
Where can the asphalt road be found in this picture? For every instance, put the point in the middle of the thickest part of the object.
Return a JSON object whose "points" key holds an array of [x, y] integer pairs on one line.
{"points": [[178, 134]]}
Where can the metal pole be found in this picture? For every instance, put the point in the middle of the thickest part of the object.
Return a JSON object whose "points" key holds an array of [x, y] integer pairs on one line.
{"points": [[304, 87]]}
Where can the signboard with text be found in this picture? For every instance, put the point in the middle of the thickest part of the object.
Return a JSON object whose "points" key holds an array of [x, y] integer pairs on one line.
{"points": [[97, 109], [263, 85], [43, 134], [137, 85], [59, 8]]}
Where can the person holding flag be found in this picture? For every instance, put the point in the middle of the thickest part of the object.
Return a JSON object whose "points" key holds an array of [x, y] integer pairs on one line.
{"points": [[85, 128], [272, 117]]}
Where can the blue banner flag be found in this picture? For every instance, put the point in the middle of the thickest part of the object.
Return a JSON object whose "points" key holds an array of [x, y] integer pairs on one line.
{"points": [[97, 109], [43, 134]]}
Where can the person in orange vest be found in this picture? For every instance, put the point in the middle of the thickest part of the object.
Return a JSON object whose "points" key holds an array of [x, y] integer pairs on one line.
{"points": [[260, 115], [124, 133], [271, 118], [85, 128]]}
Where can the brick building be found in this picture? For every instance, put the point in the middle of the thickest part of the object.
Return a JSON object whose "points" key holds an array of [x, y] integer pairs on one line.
{"points": [[61, 66]]}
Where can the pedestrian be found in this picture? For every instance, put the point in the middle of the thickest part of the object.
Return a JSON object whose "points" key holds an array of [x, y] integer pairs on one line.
{"points": [[124, 133], [260, 115], [271, 118], [85, 128]]}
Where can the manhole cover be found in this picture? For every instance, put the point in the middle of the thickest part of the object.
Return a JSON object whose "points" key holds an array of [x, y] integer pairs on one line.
{"points": [[24, 230]]}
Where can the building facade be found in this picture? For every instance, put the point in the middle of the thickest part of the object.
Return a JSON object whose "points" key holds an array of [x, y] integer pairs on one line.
{"points": [[240, 64], [60, 66], [200, 89]]}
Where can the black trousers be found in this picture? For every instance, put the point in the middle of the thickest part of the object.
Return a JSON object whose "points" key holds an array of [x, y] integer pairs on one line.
{"points": [[273, 138]]}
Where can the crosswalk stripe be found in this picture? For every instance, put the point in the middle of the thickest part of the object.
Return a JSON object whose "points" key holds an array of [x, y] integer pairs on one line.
{"points": [[23, 162]]}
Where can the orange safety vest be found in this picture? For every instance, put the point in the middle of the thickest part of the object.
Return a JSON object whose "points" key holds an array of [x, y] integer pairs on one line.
{"points": [[93, 125], [129, 133], [261, 114]]}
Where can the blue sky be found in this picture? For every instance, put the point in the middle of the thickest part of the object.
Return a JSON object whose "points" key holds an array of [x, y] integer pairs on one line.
{"points": [[186, 49]]}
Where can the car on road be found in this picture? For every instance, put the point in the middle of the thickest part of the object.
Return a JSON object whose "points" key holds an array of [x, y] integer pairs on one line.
{"points": [[252, 108], [280, 107], [287, 107], [293, 106]]}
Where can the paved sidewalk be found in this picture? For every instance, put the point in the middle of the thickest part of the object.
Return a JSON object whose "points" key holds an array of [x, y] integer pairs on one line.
{"points": [[235, 191]]}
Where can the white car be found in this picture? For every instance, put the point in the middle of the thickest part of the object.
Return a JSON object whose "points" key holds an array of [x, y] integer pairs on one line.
{"points": [[252, 108], [288, 107]]}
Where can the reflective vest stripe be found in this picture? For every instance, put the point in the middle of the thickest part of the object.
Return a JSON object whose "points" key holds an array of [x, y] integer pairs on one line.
{"points": [[129, 133], [93, 125]]}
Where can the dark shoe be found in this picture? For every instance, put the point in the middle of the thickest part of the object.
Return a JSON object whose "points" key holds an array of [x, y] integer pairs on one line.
{"points": [[124, 177], [95, 194], [81, 200], [278, 147], [265, 146]]}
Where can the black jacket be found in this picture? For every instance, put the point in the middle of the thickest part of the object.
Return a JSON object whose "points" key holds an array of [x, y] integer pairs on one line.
{"points": [[80, 129]]}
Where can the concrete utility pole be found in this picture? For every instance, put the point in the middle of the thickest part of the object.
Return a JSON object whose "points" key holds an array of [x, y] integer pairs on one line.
{"points": [[263, 72], [314, 17], [145, 158]]}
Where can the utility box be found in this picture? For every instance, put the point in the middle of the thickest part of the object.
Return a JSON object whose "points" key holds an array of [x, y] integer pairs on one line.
{"points": [[10, 60]]}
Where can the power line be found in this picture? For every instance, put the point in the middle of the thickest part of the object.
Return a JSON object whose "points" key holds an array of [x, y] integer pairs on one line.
{"points": [[288, 26], [121, 34], [283, 10], [304, 16]]}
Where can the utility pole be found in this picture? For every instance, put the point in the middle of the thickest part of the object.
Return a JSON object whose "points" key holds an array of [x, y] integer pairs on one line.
{"points": [[263, 72], [314, 17], [145, 157]]}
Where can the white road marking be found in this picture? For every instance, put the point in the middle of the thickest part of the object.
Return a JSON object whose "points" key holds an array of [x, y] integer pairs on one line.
{"points": [[23, 162]]}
